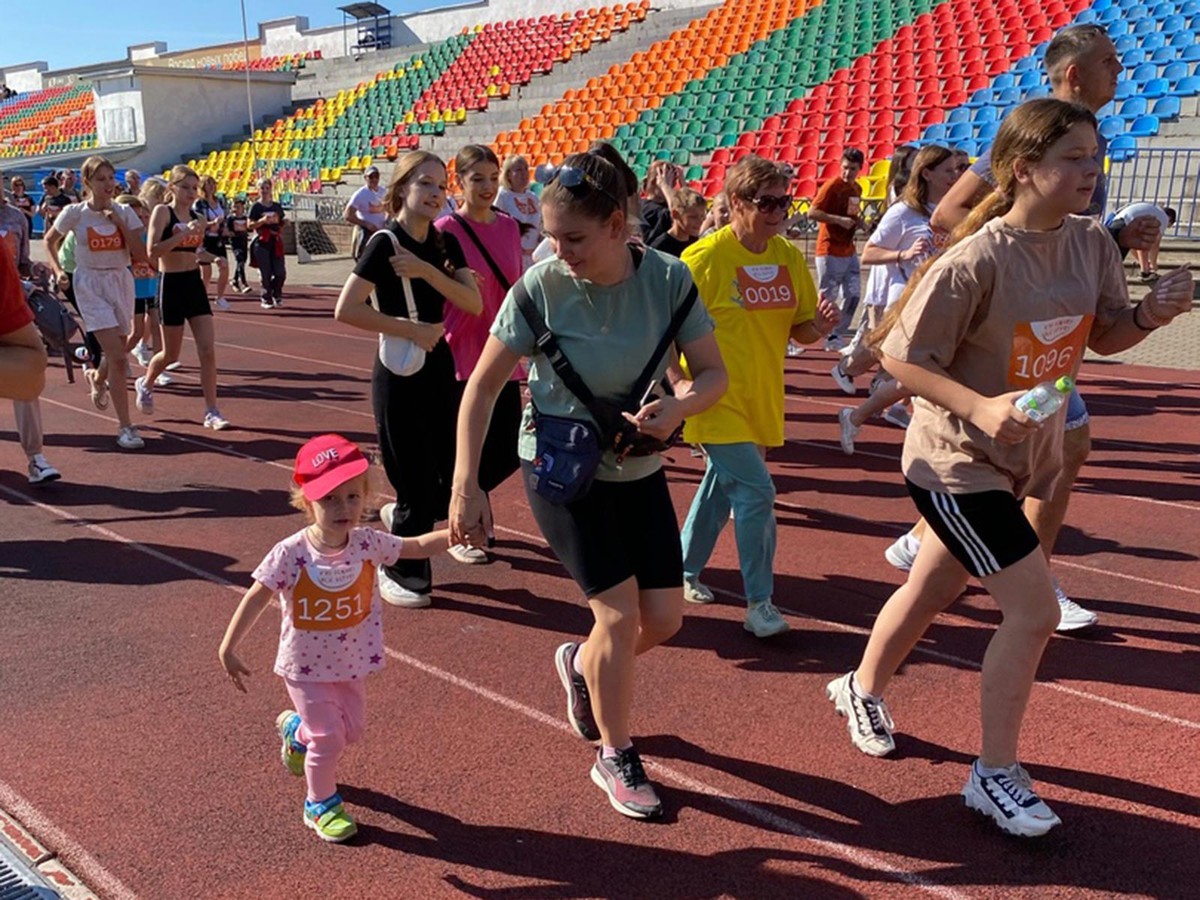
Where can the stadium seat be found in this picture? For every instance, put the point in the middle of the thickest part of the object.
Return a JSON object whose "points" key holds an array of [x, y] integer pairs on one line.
{"points": [[1144, 126], [1167, 109], [1122, 148]]}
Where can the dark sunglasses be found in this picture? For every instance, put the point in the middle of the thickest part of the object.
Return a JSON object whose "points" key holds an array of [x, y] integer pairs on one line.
{"points": [[768, 203], [572, 177]]}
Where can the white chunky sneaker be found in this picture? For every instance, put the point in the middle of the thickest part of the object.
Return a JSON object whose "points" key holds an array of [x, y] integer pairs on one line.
{"points": [[398, 595], [41, 472], [696, 592], [465, 553], [842, 380], [1007, 796], [848, 430], [1072, 616], [214, 420], [868, 721], [129, 439]]}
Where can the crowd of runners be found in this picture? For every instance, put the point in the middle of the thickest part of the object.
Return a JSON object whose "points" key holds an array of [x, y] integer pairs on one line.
{"points": [[636, 315]]}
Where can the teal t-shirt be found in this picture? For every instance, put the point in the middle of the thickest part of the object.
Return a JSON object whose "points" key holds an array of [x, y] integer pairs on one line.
{"points": [[608, 334]]}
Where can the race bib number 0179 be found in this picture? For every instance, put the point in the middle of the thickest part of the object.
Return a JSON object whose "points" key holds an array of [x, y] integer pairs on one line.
{"points": [[765, 287], [1046, 350]]}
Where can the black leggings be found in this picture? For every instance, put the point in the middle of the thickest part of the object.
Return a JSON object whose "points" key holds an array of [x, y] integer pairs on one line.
{"points": [[498, 459]]}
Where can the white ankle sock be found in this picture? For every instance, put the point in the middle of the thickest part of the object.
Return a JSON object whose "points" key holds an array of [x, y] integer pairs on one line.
{"points": [[857, 690], [576, 661]]}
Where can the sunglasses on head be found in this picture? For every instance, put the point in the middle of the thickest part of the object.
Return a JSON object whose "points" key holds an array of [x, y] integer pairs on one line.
{"points": [[769, 203], [572, 177]]}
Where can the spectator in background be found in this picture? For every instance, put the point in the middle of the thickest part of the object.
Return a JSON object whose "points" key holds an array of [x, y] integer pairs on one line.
{"points": [[14, 234], [898, 172], [837, 212], [208, 207], [662, 180], [22, 200], [365, 210], [718, 215], [266, 218], [238, 226], [1147, 257], [133, 181], [54, 201], [66, 181], [688, 211], [522, 204]]}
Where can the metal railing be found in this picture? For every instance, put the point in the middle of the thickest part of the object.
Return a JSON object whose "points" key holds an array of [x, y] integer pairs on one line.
{"points": [[1168, 177]]}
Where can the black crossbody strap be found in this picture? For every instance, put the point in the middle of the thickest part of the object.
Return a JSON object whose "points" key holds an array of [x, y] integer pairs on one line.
{"points": [[482, 249], [668, 338]]}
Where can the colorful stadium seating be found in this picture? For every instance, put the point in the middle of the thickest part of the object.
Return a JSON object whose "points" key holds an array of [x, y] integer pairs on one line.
{"points": [[54, 120]]}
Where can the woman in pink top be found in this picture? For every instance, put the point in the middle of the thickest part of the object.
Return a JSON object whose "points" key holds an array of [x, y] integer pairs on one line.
{"points": [[491, 241]]}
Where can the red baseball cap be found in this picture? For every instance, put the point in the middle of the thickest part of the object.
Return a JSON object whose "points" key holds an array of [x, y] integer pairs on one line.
{"points": [[327, 462]]}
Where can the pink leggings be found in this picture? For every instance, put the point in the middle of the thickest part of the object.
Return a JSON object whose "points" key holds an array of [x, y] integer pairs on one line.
{"points": [[332, 715]]}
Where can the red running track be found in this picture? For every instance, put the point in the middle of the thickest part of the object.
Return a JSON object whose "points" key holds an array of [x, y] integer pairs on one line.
{"points": [[128, 753]]}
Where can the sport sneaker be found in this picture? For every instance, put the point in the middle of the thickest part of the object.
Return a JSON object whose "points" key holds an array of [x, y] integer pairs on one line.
{"points": [[398, 594], [869, 722], [82, 354], [842, 380], [835, 343], [277, 302], [465, 553], [163, 380], [1071, 616], [794, 349], [292, 752], [898, 415], [41, 472], [143, 354], [266, 303], [97, 387], [171, 367], [1008, 797], [579, 701], [329, 820], [903, 553], [849, 431], [214, 420], [222, 304], [696, 592], [764, 620], [143, 395], [129, 439], [624, 779]]}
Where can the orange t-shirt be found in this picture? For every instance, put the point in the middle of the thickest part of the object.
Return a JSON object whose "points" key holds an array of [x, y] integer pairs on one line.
{"points": [[837, 198]]}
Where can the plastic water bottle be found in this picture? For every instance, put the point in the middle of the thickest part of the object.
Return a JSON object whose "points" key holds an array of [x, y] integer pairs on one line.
{"points": [[1043, 401]]}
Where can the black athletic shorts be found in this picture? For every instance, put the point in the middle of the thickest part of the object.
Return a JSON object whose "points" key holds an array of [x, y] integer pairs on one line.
{"points": [[986, 532], [618, 530], [181, 296], [216, 246]]}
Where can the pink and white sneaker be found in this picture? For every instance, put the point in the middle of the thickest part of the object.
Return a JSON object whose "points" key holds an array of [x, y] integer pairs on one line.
{"points": [[624, 780]]}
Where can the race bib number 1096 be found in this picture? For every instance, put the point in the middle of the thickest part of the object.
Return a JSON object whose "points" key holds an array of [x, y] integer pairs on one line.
{"points": [[1046, 350]]}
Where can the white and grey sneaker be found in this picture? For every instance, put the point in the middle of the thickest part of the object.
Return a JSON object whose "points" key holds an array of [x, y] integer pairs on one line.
{"points": [[465, 553], [898, 415], [842, 380], [41, 472], [696, 592], [868, 721], [763, 620], [1008, 798], [214, 420], [903, 553], [848, 430], [222, 304], [143, 395], [398, 595], [1072, 616], [794, 349], [129, 439]]}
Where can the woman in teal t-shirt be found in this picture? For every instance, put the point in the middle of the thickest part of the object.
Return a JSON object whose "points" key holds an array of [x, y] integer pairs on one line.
{"points": [[608, 305]]}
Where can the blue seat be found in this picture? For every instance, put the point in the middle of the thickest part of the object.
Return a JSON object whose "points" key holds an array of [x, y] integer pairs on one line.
{"points": [[985, 114], [1155, 88], [1132, 58], [1108, 109], [1111, 16], [935, 132], [1144, 126], [969, 146], [1102, 5], [1009, 96], [1190, 8], [1145, 72], [961, 114], [1122, 148], [1172, 24], [1191, 53], [1126, 88], [1038, 91], [1002, 81], [1153, 41], [1162, 10], [960, 131], [1164, 56], [987, 131], [1134, 107], [1125, 43], [1135, 9], [1087, 16], [1141, 26], [1187, 87], [1184, 38], [1111, 126], [1029, 78], [1167, 109], [1175, 71], [1027, 64], [983, 97]]}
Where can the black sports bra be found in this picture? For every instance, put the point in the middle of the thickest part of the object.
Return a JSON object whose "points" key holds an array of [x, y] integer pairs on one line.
{"points": [[189, 244]]}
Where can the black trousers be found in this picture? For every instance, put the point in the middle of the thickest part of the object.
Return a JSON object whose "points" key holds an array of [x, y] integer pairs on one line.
{"points": [[271, 269], [498, 459]]}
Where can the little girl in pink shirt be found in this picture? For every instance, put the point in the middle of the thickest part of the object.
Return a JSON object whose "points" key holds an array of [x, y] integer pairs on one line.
{"points": [[331, 636]]}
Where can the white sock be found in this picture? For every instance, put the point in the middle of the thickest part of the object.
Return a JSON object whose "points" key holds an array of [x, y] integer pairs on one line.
{"points": [[857, 690], [989, 772], [577, 661]]}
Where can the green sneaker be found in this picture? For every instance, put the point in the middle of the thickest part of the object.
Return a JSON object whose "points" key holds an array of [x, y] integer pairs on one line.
{"points": [[764, 620], [292, 752], [329, 820]]}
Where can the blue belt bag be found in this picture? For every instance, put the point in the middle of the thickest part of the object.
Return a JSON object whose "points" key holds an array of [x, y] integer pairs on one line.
{"points": [[567, 457]]}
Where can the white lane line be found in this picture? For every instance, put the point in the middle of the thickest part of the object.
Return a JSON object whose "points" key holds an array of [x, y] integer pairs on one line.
{"points": [[746, 807], [292, 357], [268, 322], [82, 863]]}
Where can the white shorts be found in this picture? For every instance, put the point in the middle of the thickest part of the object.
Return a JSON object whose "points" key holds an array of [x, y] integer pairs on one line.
{"points": [[105, 298]]}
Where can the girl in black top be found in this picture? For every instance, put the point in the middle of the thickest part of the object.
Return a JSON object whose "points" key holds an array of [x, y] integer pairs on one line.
{"points": [[414, 414], [209, 208]]}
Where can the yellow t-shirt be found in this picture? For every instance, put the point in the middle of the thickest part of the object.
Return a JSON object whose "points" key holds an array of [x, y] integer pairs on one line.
{"points": [[755, 299]]}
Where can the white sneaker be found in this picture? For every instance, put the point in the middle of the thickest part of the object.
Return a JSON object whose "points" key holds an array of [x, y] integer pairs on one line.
{"points": [[1008, 798], [266, 304], [764, 620], [222, 304], [163, 380], [129, 439], [82, 354], [214, 420], [903, 553], [898, 415], [144, 396], [794, 349], [386, 512], [869, 722], [465, 553], [173, 366], [1072, 616], [143, 354], [695, 592], [398, 595], [41, 472], [835, 343], [849, 431], [844, 381], [277, 302]]}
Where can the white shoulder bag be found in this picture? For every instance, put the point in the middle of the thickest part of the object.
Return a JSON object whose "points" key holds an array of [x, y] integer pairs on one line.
{"points": [[401, 356]]}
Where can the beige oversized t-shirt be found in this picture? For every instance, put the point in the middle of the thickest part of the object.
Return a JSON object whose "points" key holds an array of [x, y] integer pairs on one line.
{"points": [[1004, 309]]}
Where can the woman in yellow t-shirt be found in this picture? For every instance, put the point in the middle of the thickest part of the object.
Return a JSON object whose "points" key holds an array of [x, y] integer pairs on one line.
{"points": [[759, 292]]}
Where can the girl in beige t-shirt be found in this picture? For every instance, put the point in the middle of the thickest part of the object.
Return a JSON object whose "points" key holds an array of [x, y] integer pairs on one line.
{"points": [[1027, 285]]}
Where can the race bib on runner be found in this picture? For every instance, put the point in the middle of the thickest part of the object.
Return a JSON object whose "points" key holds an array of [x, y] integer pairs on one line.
{"points": [[765, 287], [103, 242], [1046, 350], [332, 598], [142, 270], [192, 240]]}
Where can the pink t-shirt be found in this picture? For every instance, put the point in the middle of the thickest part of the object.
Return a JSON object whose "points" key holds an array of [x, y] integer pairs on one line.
{"points": [[332, 627], [466, 334]]}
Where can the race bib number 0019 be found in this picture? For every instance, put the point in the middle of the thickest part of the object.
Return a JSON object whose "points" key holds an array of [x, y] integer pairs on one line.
{"points": [[765, 287], [1046, 350]]}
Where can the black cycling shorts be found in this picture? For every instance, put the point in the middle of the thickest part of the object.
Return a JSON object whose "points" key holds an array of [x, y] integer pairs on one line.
{"points": [[181, 296]]}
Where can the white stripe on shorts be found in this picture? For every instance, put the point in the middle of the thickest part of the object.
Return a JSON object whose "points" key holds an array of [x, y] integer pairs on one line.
{"points": [[947, 507]]}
